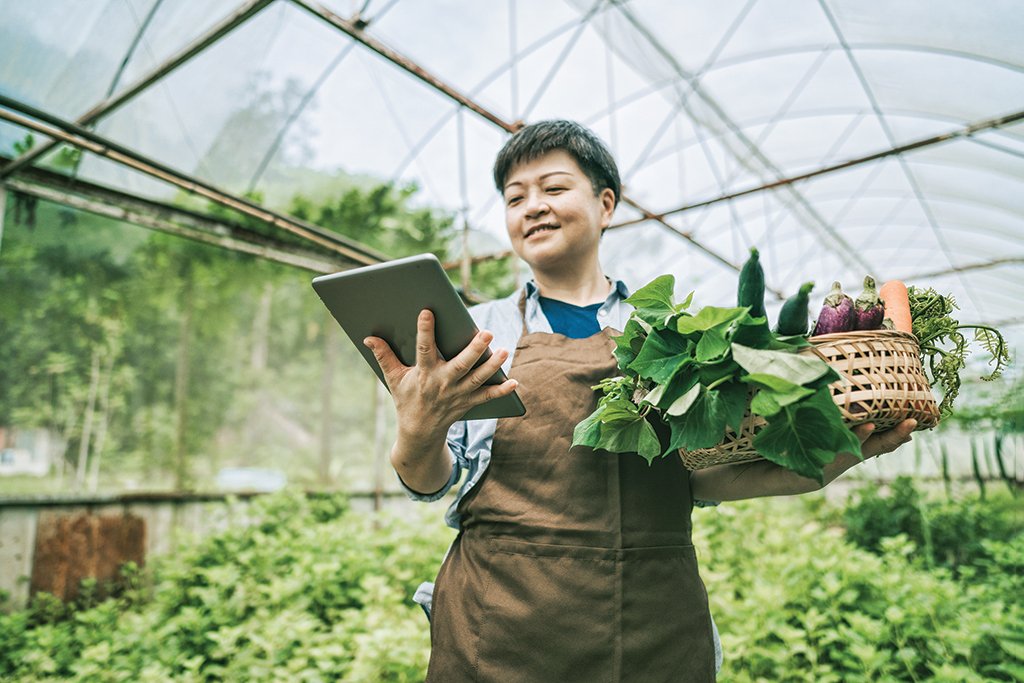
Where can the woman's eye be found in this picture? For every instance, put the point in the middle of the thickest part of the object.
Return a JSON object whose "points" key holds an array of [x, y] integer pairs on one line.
{"points": [[513, 200], [556, 189]]}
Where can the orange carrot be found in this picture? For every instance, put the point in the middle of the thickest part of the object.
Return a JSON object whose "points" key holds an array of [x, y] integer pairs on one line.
{"points": [[897, 305]]}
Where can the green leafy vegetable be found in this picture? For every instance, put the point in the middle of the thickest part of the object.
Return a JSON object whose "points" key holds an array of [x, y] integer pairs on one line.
{"points": [[698, 375], [653, 302], [944, 346], [806, 435], [789, 366]]}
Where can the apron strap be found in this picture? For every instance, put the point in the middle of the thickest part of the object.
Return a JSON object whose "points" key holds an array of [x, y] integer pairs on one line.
{"points": [[522, 312]]}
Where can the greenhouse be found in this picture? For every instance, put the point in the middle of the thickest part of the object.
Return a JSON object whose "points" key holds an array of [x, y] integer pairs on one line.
{"points": [[196, 477]]}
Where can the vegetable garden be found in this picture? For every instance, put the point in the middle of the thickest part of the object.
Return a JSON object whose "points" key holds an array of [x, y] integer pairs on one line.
{"points": [[896, 584]]}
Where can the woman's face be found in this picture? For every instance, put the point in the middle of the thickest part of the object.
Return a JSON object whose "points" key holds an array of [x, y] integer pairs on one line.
{"points": [[552, 215]]}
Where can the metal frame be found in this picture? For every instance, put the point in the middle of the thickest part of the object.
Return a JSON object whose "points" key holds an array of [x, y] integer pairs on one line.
{"points": [[167, 218], [965, 132], [355, 29], [244, 12], [68, 132]]}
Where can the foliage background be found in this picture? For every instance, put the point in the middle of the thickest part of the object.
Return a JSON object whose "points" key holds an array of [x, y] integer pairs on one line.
{"points": [[313, 591], [156, 361]]}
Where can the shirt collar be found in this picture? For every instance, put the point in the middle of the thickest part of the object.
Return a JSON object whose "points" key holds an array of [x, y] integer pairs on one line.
{"points": [[619, 291]]}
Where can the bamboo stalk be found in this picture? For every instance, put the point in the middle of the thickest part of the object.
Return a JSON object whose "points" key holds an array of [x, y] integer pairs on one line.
{"points": [[975, 467], [90, 411]]}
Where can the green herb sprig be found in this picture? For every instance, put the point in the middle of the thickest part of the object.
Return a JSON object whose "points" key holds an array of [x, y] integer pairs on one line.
{"points": [[698, 375], [945, 347]]}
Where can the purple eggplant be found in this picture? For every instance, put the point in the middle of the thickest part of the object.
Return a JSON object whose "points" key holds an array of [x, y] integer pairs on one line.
{"points": [[868, 308], [837, 314]]}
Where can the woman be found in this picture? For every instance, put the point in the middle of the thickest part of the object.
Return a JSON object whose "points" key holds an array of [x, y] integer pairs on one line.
{"points": [[570, 564]]}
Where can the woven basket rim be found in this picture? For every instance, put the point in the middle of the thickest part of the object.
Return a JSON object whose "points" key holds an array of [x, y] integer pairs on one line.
{"points": [[861, 334], [834, 349]]}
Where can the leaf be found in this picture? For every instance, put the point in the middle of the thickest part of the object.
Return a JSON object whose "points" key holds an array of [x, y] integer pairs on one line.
{"points": [[1013, 648], [764, 404], [713, 372], [712, 346], [789, 366], [629, 343], [588, 432], [619, 410], [806, 436], [708, 317], [703, 424], [774, 393], [772, 382], [637, 436], [655, 394], [992, 341], [683, 403], [753, 332], [732, 402], [668, 394], [662, 355], [685, 303], [653, 302]]}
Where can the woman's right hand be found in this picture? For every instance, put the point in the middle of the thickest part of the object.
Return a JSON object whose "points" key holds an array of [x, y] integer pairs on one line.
{"points": [[434, 393]]}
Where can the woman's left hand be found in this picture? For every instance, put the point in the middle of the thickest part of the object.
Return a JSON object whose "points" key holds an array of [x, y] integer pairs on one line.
{"points": [[872, 444]]}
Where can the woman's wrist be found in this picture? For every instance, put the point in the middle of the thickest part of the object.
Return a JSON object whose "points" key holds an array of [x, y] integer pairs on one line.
{"points": [[422, 460]]}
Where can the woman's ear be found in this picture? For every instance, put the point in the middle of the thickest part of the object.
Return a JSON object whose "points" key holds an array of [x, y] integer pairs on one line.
{"points": [[607, 199]]}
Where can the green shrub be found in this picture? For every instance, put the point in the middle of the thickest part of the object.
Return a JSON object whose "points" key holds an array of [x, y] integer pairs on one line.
{"points": [[308, 592], [312, 591], [947, 533], [795, 601]]}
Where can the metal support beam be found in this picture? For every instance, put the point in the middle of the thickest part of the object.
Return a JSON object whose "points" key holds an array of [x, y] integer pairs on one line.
{"points": [[965, 132], [985, 265], [102, 201], [245, 11], [75, 135], [355, 31]]}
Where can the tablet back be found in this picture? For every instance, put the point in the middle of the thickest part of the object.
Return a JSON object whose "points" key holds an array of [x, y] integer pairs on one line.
{"points": [[384, 300]]}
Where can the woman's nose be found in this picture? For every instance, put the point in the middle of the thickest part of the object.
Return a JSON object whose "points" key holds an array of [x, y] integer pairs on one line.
{"points": [[536, 205]]}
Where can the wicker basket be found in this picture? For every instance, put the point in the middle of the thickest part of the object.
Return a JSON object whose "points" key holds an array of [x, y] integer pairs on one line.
{"points": [[884, 384]]}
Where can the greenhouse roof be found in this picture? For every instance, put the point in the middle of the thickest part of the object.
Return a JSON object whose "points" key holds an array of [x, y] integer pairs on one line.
{"points": [[840, 137]]}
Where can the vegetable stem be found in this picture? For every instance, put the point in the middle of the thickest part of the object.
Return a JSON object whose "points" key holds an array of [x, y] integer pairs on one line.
{"points": [[720, 380]]}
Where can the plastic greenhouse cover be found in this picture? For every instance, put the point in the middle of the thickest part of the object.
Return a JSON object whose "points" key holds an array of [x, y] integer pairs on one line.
{"points": [[697, 100]]}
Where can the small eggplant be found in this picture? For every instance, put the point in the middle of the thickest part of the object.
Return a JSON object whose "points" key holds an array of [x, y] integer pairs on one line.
{"points": [[868, 308], [837, 314]]}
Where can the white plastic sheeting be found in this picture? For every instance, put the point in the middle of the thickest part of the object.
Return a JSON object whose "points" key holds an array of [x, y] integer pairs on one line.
{"points": [[697, 99]]}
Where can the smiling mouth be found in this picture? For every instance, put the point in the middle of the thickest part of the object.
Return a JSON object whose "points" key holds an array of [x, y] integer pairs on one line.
{"points": [[539, 228]]}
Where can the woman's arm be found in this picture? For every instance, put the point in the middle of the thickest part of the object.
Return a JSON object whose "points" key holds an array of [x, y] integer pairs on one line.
{"points": [[762, 478]]}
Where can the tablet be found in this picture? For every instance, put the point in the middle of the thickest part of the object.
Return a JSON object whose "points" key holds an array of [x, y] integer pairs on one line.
{"points": [[384, 300]]}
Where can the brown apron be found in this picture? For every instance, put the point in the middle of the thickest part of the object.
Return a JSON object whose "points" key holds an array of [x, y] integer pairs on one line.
{"points": [[572, 564]]}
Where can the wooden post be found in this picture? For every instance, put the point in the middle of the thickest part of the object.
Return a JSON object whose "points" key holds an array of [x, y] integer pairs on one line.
{"points": [[101, 436], [326, 392], [3, 212], [181, 383], [380, 402], [90, 412]]}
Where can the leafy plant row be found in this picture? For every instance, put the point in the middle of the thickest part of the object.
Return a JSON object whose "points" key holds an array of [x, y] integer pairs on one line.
{"points": [[314, 592]]}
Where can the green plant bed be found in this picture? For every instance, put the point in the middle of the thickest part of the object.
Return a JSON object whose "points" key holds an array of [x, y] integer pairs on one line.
{"points": [[949, 532], [312, 591], [796, 601]]}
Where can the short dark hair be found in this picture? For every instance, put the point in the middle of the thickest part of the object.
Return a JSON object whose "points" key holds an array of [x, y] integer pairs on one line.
{"points": [[579, 142]]}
